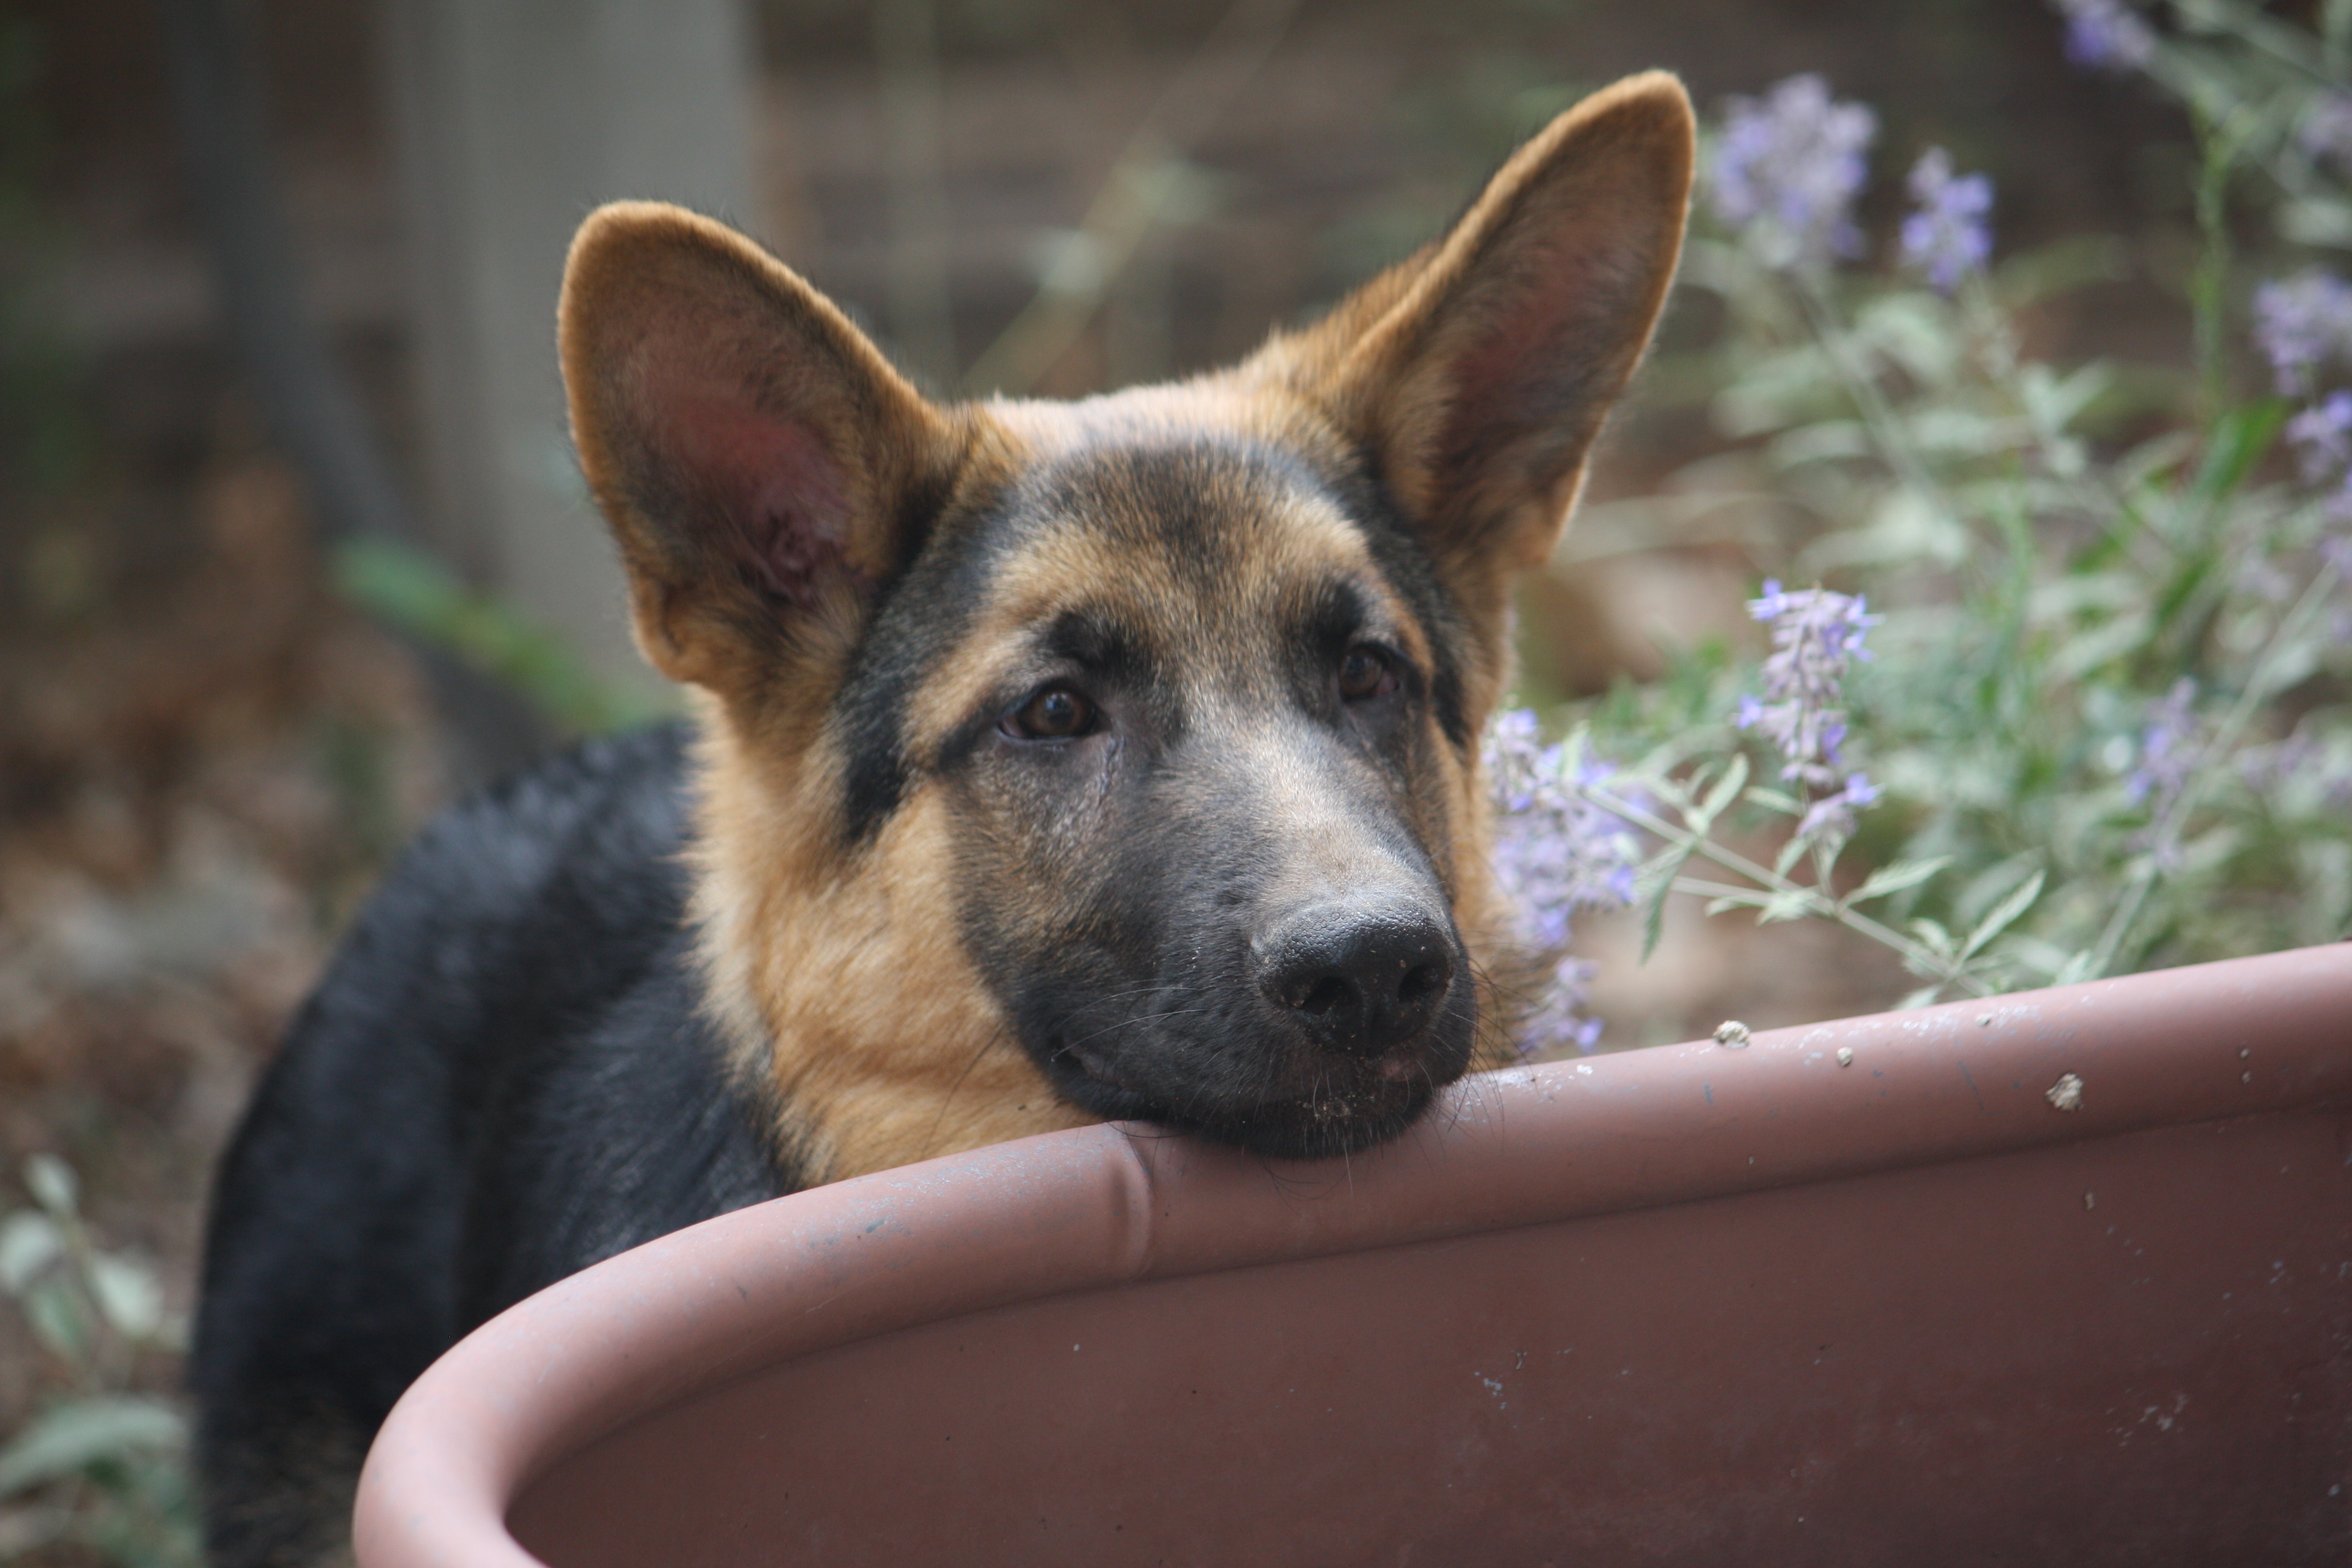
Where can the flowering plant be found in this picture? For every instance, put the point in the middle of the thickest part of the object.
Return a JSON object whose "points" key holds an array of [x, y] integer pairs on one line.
{"points": [[2103, 718]]}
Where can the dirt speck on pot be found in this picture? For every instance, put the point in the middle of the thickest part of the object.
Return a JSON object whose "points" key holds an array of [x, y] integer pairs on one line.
{"points": [[2066, 1094]]}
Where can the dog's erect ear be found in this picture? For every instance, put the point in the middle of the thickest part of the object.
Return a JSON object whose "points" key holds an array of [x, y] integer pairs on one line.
{"points": [[760, 461], [1477, 372]]}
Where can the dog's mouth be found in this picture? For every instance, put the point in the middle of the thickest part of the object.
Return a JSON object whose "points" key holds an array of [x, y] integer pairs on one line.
{"points": [[1307, 1107]]}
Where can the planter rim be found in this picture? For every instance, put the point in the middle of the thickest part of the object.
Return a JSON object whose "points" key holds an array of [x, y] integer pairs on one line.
{"points": [[1103, 1206]]}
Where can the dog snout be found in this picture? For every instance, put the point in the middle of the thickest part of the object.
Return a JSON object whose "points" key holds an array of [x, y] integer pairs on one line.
{"points": [[1358, 980]]}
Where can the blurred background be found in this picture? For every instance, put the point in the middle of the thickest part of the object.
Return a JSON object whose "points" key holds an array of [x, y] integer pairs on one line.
{"points": [[292, 548]]}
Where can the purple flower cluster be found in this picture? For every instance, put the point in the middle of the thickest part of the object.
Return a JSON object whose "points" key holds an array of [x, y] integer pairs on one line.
{"points": [[1554, 852], [2322, 436], [1832, 816], [1788, 168], [2170, 745], [2167, 749], [2327, 130], [1816, 640], [1949, 234], [2304, 323], [1559, 1018], [2301, 323], [2107, 35], [2336, 551]]}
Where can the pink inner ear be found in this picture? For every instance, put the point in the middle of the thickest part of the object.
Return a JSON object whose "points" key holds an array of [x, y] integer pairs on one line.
{"points": [[779, 496], [1529, 368]]}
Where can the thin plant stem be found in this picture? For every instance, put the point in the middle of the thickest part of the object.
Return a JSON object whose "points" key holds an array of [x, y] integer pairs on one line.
{"points": [[1887, 429], [1815, 902], [2284, 46], [2218, 145], [1998, 357]]}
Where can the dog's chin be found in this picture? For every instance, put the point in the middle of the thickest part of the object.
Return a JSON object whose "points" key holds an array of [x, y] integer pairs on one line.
{"points": [[1330, 1122], [1315, 1130]]}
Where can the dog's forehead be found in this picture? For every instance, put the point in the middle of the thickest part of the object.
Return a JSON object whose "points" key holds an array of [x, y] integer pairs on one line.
{"points": [[1207, 525], [1157, 516]]}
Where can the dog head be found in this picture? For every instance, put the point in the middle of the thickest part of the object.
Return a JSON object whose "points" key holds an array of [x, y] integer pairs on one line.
{"points": [[1114, 759]]}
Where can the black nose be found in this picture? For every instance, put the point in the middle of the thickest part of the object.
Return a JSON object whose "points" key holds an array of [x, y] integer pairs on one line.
{"points": [[1359, 981]]}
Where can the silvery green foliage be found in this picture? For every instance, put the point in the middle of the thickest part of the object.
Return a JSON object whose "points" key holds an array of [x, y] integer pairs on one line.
{"points": [[2108, 724], [99, 1468]]}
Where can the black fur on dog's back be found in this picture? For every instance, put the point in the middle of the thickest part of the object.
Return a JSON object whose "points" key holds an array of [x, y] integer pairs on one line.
{"points": [[502, 1078]]}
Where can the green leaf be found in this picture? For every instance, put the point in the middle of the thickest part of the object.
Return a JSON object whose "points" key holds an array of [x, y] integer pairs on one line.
{"points": [[1790, 854], [1932, 936], [2008, 909], [2316, 221], [1895, 878], [51, 1181], [1777, 799], [1670, 864], [1788, 904], [2102, 646], [2053, 404], [2240, 439], [129, 1295], [29, 1242], [59, 1318], [1921, 997], [1668, 791], [409, 589], [2075, 968], [1727, 789], [73, 1437]]}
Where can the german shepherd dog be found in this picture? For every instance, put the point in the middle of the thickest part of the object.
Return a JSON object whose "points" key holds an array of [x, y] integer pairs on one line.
{"points": [[1051, 763]]}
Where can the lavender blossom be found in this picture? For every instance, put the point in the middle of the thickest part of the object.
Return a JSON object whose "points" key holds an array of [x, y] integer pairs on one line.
{"points": [[1554, 852], [2326, 131], [2322, 438], [2301, 323], [1948, 237], [1788, 168], [1816, 639], [2167, 749], [2107, 35], [2336, 555], [2335, 550], [1832, 816], [1560, 1018]]}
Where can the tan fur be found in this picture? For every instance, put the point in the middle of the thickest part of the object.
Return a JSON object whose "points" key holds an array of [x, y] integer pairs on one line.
{"points": [[687, 352]]}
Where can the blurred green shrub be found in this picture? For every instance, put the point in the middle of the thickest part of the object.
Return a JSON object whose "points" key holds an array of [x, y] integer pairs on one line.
{"points": [[99, 1468]]}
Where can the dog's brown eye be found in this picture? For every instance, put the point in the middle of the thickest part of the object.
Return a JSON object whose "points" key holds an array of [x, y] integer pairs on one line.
{"points": [[1056, 714], [1365, 673]]}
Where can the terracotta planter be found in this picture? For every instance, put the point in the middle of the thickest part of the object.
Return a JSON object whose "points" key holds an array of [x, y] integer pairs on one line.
{"points": [[1693, 1304]]}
